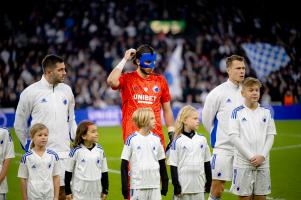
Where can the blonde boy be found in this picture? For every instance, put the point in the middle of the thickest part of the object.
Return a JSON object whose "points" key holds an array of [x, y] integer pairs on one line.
{"points": [[145, 153], [252, 131]]}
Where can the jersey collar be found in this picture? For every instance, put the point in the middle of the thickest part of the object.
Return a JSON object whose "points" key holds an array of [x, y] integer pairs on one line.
{"points": [[233, 85], [45, 82]]}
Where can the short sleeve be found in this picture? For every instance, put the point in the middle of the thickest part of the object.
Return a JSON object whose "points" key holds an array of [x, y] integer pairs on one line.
{"points": [[9, 146], [126, 152], [121, 82], [173, 156], [56, 167], [23, 171], [104, 164], [271, 127], [71, 160], [161, 153]]}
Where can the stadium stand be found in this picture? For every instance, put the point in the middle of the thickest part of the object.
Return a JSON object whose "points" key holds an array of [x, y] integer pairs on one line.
{"points": [[91, 35]]}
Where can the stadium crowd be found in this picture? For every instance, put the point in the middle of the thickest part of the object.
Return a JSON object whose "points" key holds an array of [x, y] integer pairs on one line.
{"points": [[92, 36]]}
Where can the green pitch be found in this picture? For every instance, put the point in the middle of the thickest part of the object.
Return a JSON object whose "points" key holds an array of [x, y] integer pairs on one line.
{"points": [[285, 163]]}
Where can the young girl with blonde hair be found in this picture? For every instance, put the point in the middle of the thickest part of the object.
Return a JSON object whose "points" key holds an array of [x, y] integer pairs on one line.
{"points": [[189, 158], [39, 168]]}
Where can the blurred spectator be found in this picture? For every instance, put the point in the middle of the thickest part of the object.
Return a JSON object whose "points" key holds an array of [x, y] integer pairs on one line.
{"points": [[92, 34]]}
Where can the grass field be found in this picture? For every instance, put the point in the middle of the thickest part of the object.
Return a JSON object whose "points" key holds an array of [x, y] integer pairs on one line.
{"points": [[285, 163]]}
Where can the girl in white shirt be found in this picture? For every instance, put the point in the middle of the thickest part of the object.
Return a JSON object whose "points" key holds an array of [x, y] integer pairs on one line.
{"points": [[39, 168], [87, 165], [189, 158]]}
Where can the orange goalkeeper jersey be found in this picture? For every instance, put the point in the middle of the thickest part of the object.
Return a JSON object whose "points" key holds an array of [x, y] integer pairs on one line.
{"points": [[137, 92]]}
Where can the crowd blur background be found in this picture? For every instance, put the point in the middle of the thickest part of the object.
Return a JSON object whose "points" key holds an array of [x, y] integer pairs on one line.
{"points": [[92, 36]]}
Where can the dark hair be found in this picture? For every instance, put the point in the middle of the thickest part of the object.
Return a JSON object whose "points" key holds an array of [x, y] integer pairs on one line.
{"points": [[145, 48], [50, 61], [232, 58], [81, 130]]}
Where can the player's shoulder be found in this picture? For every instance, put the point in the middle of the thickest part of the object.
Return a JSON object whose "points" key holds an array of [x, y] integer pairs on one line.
{"points": [[176, 141], [4, 130], [74, 150], [5, 133], [65, 87], [26, 156], [52, 153], [217, 91], [98, 146], [31, 89], [155, 136], [266, 109], [129, 138], [236, 111], [200, 136]]}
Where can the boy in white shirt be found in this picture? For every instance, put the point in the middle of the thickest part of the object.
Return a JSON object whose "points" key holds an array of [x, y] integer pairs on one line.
{"points": [[6, 153], [252, 131], [145, 153]]}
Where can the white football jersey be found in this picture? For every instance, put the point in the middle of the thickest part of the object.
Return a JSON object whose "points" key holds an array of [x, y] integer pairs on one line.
{"points": [[87, 164], [6, 152], [52, 106], [252, 127], [39, 172], [189, 156], [217, 112], [143, 153]]}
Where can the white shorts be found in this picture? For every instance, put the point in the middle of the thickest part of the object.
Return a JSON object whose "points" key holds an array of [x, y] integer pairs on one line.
{"points": [[222, 165], [195, 196], [247, 182], [83, 190], [63, 162], [146, 194]]}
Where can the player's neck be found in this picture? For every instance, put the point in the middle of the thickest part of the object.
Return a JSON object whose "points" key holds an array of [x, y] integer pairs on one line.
{"points": [[144, 131], [142, 74], [39, 150], [251, 105], [234, 81], [88, 144]]}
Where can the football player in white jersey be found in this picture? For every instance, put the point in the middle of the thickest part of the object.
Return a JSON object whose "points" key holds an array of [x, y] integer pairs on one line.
{"points": [[6, 154], [87, 165], [189, 158], [215, 116], [252, 130], [50, 102], [39, 168], [144, 152]]}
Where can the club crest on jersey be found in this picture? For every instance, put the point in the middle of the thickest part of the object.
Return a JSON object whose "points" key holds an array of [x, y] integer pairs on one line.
{"points": [[156, 89], [65, 101], [135, 87], [264, 120], [43, 100], [145, 89], [1, 142]]}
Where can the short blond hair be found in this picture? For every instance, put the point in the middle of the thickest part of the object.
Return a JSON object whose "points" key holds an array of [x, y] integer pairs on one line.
{"points": [[34, 129], [142, 116], [250, 81]]}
